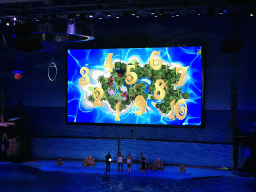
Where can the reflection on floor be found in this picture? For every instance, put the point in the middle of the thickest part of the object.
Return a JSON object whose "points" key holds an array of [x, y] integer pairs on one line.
{"points": [[168, 172]]}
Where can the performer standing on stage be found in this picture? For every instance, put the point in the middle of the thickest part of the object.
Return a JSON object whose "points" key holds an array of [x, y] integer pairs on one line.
{"points": [[120, 159], [108, 160], [143, 163], [129, 163]]}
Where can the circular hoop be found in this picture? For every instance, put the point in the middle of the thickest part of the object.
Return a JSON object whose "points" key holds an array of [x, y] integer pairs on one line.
{"points": [[52, 65]]}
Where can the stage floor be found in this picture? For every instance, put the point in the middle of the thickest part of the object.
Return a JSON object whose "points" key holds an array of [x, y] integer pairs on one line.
{"points": [[45, 175], [100, 167]]}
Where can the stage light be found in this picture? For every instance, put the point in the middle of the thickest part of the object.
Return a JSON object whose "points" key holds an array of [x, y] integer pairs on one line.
{"points": [[152, 12], [133, 13], [172, 11], [137, 16], [156, 15], [198, 11], [7, 22], [162, 16], [14, 19], [91, 15], [220, 12], [109, 14], [117, 16], [71, 27], [100, 17], [161, 11], [69, 30], [252, 10], [177, 14]]}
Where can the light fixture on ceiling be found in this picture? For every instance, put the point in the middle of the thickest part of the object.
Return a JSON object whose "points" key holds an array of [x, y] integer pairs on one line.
{"points": [[133, 13], [172, 11], [252, 10], [109, 14], [60, 30], [7, 22], [137, 15], [117, 16], [177, 14], [35, 19], [198, 12], [163, 16], [100, 17], [152, 12], [161, 12]]}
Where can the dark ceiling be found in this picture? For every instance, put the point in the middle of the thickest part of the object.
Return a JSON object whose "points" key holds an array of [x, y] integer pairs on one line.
{"points": [[29, 8]]}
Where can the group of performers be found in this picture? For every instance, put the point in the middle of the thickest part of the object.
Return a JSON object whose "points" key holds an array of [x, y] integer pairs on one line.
{"points": [[156, 165], [120, 160]]}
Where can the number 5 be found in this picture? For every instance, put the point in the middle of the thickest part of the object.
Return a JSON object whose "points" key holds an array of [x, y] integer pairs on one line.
{"points": [[131, 76]]}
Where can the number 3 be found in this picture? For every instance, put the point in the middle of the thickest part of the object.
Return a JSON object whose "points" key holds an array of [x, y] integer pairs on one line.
{"points": [[85, 79]]}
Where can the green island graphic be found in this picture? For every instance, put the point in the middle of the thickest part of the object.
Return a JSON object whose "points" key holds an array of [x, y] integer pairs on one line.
{"points": [[117, 90]]}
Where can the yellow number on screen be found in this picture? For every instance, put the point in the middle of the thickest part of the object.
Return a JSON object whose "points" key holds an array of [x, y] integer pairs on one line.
{"points": [[184, 70], [117, 111], [140, 103], [108, 62], [131, 77], [172, 109], [98, 93], [159, 88], [155, 63], [180, 112], [85, 79]]}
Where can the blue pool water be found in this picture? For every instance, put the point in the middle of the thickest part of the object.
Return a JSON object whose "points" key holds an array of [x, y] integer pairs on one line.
{"points": [[23, 178]]}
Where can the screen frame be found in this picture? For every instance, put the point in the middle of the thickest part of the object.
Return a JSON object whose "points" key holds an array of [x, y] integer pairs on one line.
{"points": [[143, 125]]}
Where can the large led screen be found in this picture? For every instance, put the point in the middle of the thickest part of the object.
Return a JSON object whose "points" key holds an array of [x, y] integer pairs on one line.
{"points": [[139, 86]]}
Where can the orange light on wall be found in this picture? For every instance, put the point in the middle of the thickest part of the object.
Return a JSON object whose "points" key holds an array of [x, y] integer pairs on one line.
{"points": [[17, 74]]}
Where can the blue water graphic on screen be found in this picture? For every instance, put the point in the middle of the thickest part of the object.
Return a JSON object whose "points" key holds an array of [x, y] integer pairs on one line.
{"points": [[144, 86]]}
